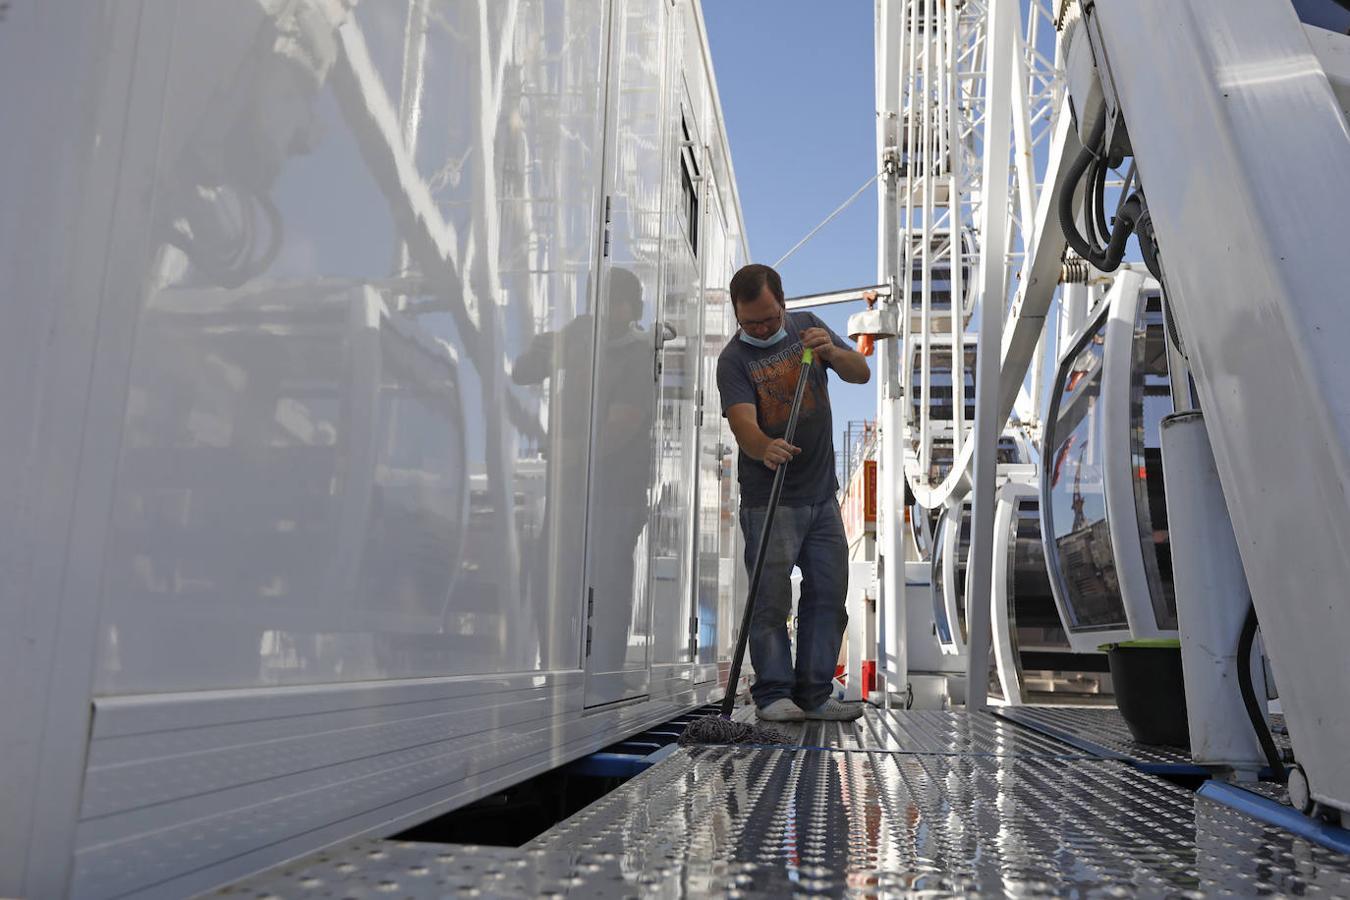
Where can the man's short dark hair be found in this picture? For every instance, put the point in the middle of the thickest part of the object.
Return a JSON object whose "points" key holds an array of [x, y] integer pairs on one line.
{"points": [[749, 282], [625, 287]]}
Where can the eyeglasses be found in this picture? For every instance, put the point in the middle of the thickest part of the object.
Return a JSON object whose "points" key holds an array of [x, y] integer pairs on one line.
{"points": [[760, 323]]}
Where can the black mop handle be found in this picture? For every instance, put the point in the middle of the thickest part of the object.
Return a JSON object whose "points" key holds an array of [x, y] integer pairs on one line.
{"points": [[729, 701]]}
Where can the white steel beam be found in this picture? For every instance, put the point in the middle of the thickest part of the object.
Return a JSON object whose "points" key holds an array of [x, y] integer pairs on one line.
{"points": [[849, 295], [1035, 293], [891, 474], [1244, 154], [1040, 269], [1001, 41], [1026, 164]]}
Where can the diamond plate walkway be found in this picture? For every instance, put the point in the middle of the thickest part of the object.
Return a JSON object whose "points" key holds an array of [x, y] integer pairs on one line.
{"points": [[1101, 732], [899, 803]]}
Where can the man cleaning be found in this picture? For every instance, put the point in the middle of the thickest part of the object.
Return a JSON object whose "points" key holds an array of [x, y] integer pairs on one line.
{"points": [[757, 375]]}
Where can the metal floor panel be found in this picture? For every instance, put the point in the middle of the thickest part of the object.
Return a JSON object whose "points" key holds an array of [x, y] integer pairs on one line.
{"points": [[1271, 790], [925, 731], [1102, 732], [775, 822]]}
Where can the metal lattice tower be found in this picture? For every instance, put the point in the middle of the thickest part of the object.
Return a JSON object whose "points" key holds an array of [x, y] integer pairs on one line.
{"points": [[944, 93]]}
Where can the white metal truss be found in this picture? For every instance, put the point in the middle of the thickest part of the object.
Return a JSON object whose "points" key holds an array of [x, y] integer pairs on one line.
{"points": [[945, 91]]}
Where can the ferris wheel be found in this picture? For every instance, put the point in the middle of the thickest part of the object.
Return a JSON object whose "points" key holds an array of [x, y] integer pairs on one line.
{"points": [[971, 94]]}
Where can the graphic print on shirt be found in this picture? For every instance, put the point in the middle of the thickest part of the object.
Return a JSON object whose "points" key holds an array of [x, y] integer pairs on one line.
{"points": [[775, 380]]}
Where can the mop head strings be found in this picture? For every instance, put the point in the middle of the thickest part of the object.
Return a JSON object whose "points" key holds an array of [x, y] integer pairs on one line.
{"points": [[720, 730]]}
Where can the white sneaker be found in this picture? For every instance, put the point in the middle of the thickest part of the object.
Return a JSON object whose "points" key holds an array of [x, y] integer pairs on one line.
{"points": [[783, 710], [834, 711]]}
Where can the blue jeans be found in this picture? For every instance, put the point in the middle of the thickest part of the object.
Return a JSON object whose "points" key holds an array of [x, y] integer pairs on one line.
{"points": [[812, 538]]}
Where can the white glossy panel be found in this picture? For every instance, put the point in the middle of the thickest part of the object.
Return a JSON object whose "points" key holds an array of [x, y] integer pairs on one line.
{"points": [[326, 470], [716, 510], [733, 581], [624, 434], [1233, 121], [676, 458], [295, 394], [66, 222]]}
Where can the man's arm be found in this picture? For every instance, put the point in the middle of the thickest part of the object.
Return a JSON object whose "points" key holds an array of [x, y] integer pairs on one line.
{"points": [[536, 363], [773, 452], [850, 364]]}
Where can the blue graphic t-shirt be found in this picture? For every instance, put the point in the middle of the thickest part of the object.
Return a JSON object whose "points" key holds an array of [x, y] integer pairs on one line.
{"points": [[768, 379]]}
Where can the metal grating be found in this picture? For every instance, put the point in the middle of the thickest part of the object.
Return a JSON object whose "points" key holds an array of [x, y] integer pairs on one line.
{"points": [[1271, 790], [765, 822], [978, 824], [927, 731], [1102, 732], [1271, 805], [384, 869]]}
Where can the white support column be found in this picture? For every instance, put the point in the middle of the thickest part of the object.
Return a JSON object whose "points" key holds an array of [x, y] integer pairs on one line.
{"points": [[1073, 308], [1212, 599], [955, 219], [1037, 422], [890, 466], [927, 69], [1021, 116], [1001, 37]]}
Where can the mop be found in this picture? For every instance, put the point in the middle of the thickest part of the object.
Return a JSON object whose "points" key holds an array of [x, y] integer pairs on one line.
{"points": [[720, 729]]}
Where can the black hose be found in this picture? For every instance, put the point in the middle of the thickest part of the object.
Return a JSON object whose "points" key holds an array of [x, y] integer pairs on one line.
{"points": [[1126, 218], [231, 265], [1079, 165], [1148, 244], [1090, 160], [1244, 663], [1149, 250], [1097, 201], [1091, 234]]}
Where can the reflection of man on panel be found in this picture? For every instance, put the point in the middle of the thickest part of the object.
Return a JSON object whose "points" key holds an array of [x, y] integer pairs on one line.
{"points": [[757, 377], [625, 409]]}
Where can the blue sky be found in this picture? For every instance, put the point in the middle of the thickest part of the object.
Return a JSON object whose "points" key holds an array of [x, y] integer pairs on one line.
{"points": [[796, 81]]}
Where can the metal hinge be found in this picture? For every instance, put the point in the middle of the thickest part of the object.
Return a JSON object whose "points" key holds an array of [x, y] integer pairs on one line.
{"points": [[693, 637], [608, 199], [590, 612]]}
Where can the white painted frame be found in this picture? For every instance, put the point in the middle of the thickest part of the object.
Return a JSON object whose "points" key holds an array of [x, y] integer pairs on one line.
{"points": [[948, 537], [1005, 648]]}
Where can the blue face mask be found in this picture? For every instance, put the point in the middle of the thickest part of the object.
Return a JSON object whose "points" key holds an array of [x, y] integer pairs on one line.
{"points": [[762, 343]]}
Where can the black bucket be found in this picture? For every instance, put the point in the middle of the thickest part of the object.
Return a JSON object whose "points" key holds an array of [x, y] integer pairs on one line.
{"points": [[1150, 691]]}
